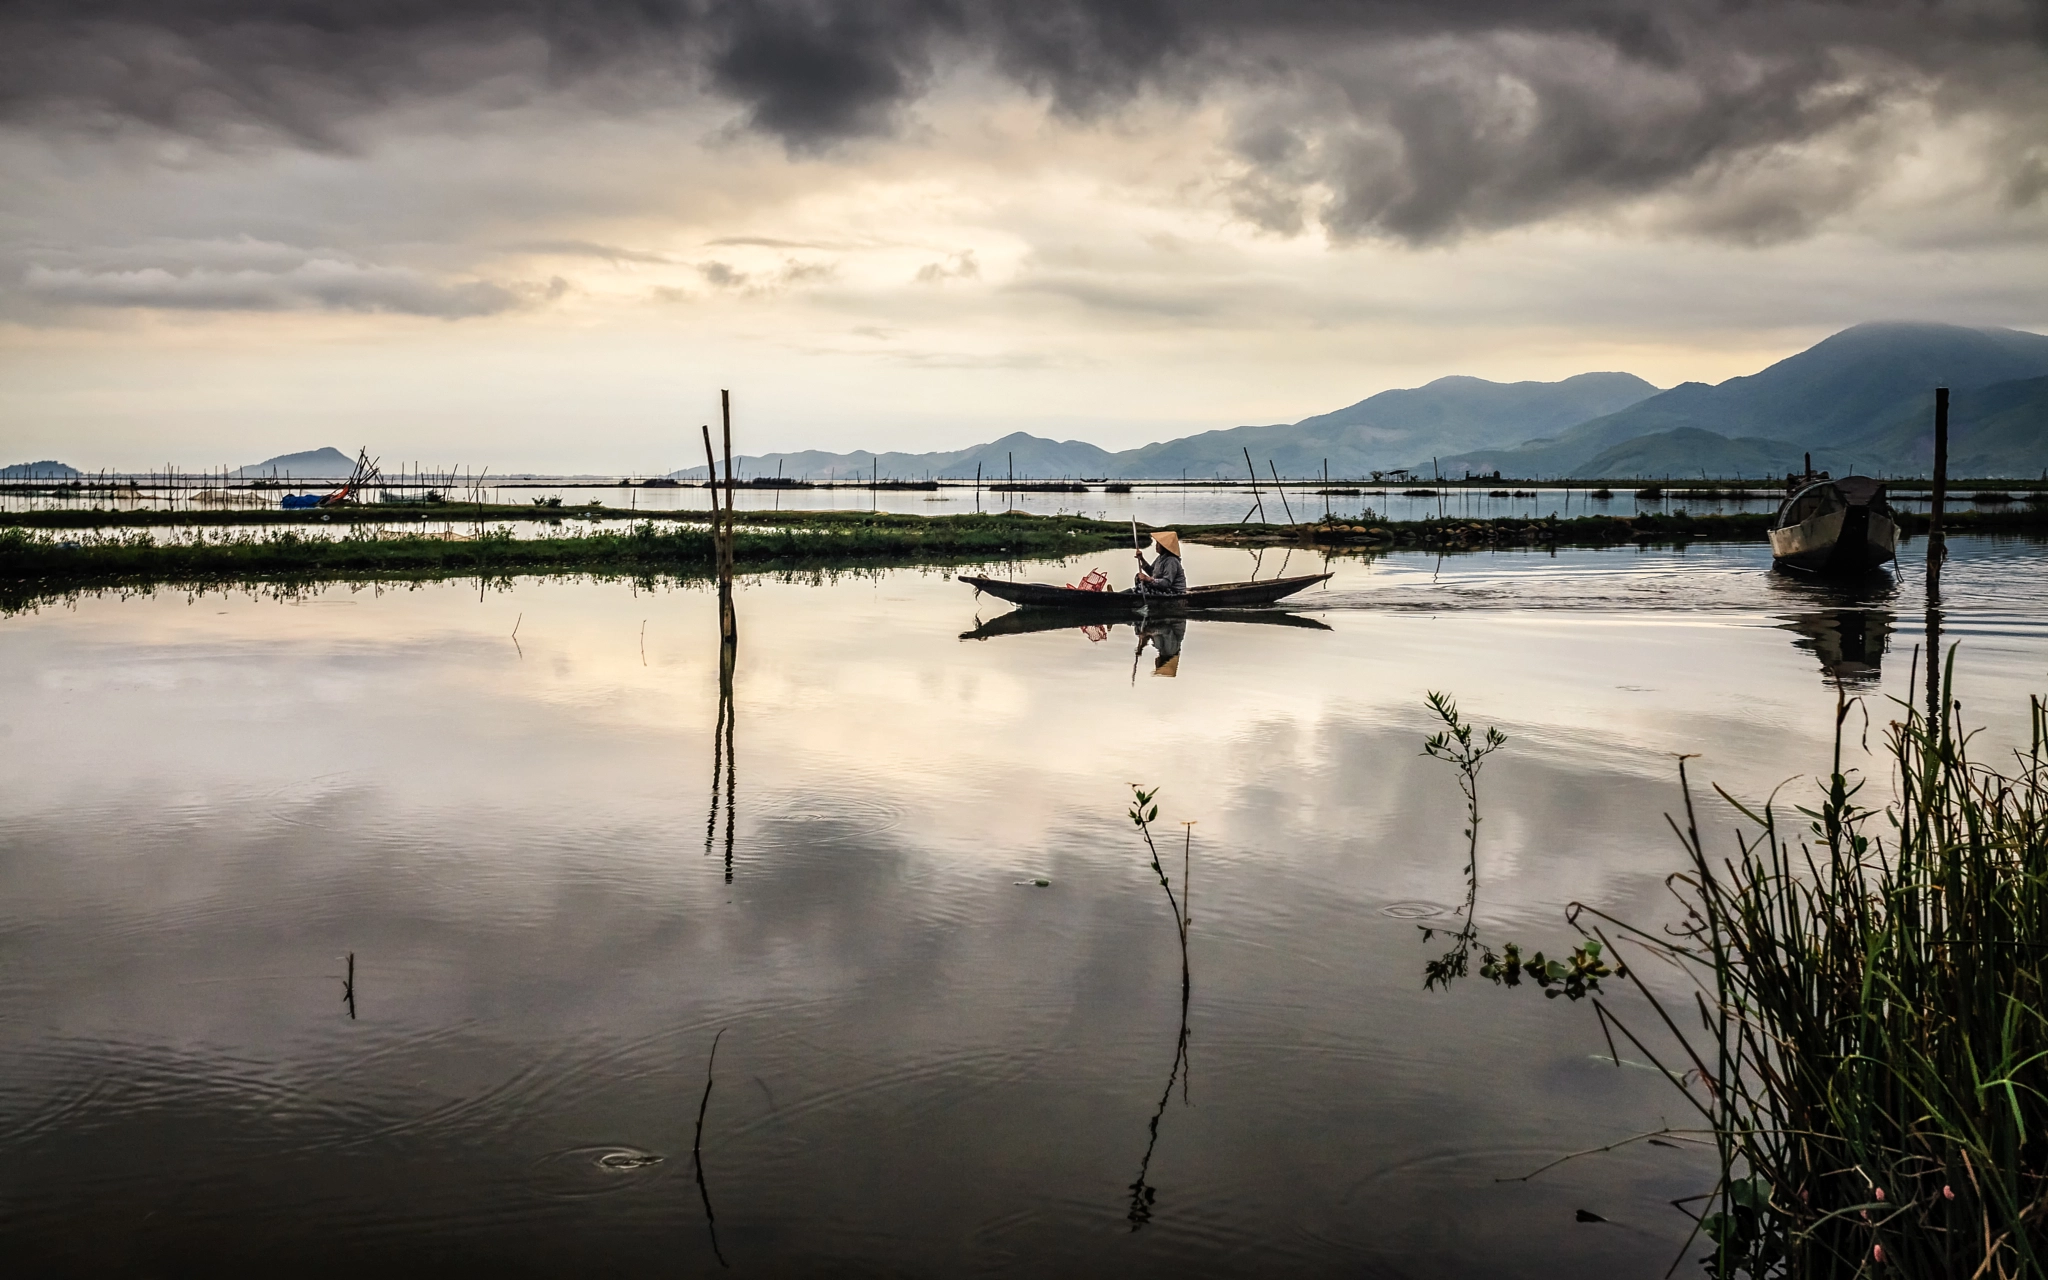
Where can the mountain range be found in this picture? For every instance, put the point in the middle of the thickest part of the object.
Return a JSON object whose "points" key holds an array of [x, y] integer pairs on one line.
{"points": [[1389, 430], [1861, 399]]}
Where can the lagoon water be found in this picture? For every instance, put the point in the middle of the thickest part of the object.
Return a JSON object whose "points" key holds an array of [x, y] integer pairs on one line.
{"points": [[502, 802]]}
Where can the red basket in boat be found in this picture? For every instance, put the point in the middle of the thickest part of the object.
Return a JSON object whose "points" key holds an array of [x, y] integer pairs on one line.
{"points": [[1095, 581]]}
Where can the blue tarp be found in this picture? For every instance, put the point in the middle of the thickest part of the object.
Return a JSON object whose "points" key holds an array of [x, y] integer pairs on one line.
{"points": [[293, 501]]}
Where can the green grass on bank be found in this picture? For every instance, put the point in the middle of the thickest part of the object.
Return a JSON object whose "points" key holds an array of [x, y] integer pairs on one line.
{"points": [[35, 563], [38, 563]]}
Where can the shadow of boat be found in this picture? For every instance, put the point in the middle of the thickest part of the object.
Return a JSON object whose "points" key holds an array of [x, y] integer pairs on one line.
{"points": [[1019, 622], [1844, 623], [1849, 643]]}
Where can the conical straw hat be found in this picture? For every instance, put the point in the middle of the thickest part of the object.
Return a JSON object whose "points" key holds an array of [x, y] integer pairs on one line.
{"points": [[1167, 539]]}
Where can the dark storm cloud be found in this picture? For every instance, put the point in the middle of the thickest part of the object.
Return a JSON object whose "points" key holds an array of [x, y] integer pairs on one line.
{"points": [[1385, 117]]}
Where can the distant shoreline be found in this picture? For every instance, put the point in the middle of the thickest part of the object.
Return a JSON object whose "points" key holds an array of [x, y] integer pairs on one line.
{"points": [[39, 564]]}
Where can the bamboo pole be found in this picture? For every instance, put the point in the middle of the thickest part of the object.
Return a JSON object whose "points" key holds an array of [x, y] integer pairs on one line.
{"points": [[1261, 507], [728, 621], [1937, 543], [1281, 489]]}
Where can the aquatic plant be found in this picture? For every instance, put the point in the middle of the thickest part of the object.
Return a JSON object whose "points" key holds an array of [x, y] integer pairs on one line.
{"points": [[1579, 974], [1456, 743], [1872, 1055], [1870, 1058], [1144, 812]]}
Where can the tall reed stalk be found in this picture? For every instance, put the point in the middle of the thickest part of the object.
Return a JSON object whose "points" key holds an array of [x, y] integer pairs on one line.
{"points": [[1871, 1048]]}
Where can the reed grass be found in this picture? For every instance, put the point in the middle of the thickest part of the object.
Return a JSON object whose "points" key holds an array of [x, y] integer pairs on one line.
{"points": [[1872, 1044], [1866, 1032], [1866, 1037]]}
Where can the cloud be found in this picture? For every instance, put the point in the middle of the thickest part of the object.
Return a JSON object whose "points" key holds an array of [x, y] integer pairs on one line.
{"points": [[1372, 118], [961, 266], [587, 249], [314, 283], [723, 275]]}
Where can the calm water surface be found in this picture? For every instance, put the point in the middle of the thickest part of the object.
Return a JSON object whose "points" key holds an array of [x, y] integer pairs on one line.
{"points": [[929, 1065]]}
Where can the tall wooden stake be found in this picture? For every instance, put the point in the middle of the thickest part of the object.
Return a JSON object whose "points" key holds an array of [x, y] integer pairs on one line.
{"points": [[1937, 545], [728, 623], [721, 556], [1261, 507], [1937, 551]]}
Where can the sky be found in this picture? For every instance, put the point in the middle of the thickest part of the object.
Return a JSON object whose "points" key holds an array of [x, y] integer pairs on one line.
{"points": [[542, 236]]}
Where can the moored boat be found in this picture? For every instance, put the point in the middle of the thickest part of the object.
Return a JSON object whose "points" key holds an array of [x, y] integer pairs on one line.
{"points": [[1227, 595], [1835, 527]]}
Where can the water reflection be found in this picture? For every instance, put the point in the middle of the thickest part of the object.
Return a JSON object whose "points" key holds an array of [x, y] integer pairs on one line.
{"points": [[1847, 625], [960, 1067], [724, 760], [697, 1150], [1143, 1194], [1850, 643], [1165, 636]]}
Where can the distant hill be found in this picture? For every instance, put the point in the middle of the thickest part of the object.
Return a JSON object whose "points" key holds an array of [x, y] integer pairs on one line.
{"points": [[1032, 456], [44, 470], [1400, 428], [1690, 453], [1999, 430], [1391, 429], [1840, 395], [323, 463]]}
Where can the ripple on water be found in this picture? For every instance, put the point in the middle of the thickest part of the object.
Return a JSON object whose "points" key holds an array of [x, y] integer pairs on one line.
{"points": [[1412, 910], [808, 814], [594, 1171]]}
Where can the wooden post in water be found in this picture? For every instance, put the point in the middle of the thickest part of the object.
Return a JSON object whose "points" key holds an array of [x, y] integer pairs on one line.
{"points": [[728, 622], [718, 549], [1937, 551], [1281, 489], [1937, 546], [1256, 498]]}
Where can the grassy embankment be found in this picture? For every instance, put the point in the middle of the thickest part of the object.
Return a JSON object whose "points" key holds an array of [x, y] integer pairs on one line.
{"points": [[374, 543], [35, 564], [1451, 533]]}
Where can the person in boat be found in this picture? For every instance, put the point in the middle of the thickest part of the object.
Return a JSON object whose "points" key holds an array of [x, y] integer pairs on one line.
{"points": [[1163, 576]]}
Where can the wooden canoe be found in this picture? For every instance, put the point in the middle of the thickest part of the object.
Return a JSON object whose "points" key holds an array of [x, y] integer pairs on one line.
{"points": [[1227, 595], [1018, 622]]}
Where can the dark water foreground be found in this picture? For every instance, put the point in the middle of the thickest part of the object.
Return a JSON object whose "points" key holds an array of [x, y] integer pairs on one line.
{"points": [[926, 1067]]}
